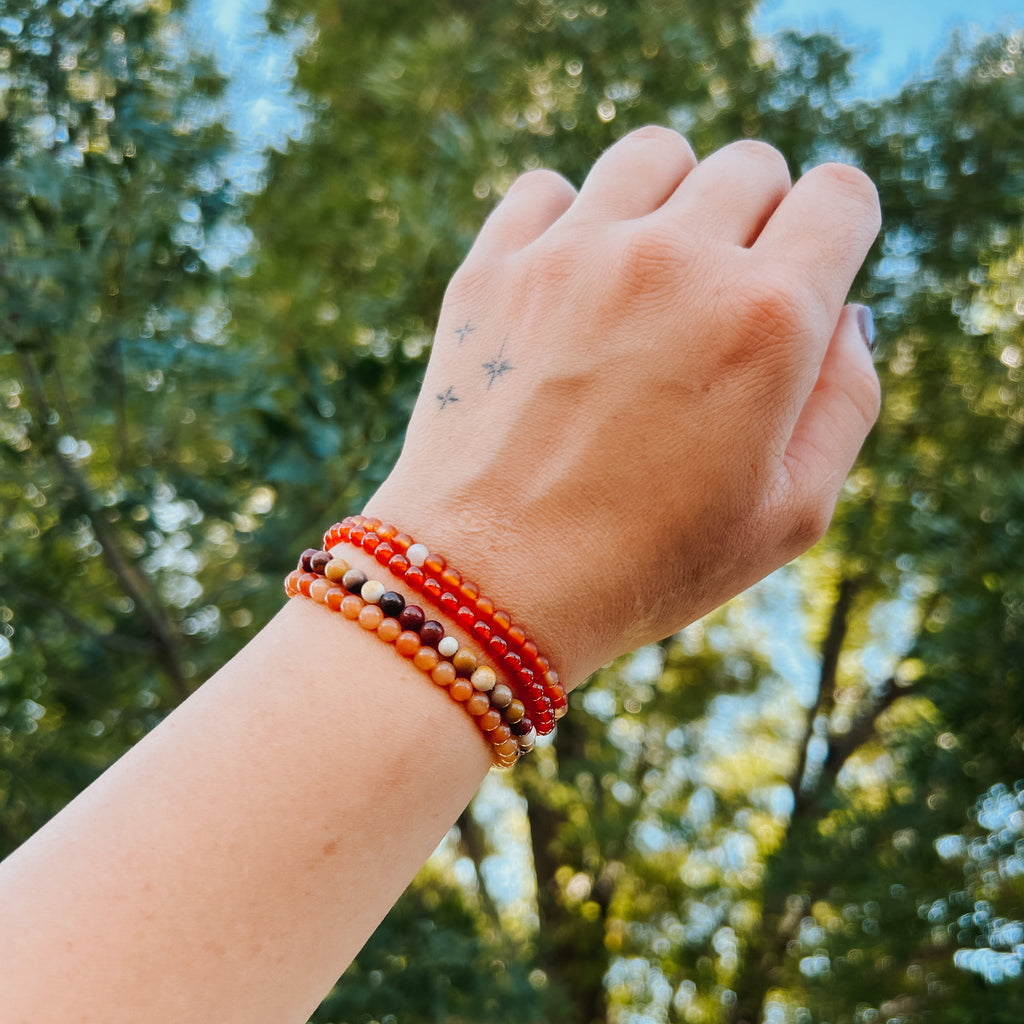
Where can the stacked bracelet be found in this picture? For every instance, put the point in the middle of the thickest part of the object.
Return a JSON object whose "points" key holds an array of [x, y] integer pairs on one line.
{"points": [[531, 676], [499, 714]]}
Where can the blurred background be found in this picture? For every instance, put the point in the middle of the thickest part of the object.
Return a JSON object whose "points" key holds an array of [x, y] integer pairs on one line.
{"points": [[225, 230]]}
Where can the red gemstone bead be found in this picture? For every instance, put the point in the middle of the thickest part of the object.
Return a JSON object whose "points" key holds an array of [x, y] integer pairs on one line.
{"points": [[551, 679], [485, 606], [370, 541], [517, 636], [530, 652], [502, 620], [372, 523], [498, 646], [512, 662], [470, 591], [535, 692], [387, 532], [448, 603], [414, 578], [384, 552], [355, 535], [481, 631], [432, 588], [434, 564], [398, 564], [402, 542], [465, 617]]}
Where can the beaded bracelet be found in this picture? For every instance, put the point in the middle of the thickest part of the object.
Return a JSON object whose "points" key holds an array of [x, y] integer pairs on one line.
{"points": [[533, 679], [500, 716]]}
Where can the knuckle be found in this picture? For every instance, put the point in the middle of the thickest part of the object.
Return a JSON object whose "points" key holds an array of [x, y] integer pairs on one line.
{"points": [[809, 523], [754, 150], [543, 182], [649, 258], [850, 184]]}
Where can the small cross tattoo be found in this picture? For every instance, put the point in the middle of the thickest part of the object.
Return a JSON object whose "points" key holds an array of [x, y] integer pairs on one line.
{"points": [[497, 367], [447, 398], [466, 328]]}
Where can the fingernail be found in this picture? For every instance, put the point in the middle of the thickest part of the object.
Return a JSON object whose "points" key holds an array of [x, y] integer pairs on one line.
{"points": [[866, 323]]}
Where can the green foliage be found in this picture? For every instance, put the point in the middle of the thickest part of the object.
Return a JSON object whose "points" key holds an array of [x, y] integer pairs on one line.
{"points": [[806, 808]]}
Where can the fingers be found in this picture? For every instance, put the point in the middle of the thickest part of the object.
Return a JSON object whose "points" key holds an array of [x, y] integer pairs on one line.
{"points": [[822, 231], [731, 194], [534, 202], [833, 425], [635, 176]]}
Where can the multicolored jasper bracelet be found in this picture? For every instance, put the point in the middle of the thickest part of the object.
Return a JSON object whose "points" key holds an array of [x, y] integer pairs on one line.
{"points": [[498, 713], [531, 676]]}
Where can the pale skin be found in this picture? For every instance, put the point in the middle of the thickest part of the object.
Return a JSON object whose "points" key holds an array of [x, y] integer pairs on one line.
{"points": [[641, 399]]}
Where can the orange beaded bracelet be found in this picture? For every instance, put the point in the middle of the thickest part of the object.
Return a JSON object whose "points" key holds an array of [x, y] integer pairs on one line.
{"points": [[501, 717], [530, 673]]}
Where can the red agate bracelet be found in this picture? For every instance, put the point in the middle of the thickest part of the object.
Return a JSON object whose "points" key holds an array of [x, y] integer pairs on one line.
{"points": [[533, 679]]}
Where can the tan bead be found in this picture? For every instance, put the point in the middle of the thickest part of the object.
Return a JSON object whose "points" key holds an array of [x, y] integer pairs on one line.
{"points": [[499, 735], [318, 590], [501, 696], [370, 617], [443, 673], [389, 630], [515, 712], [351, 606], [426, 659], [335, 569], [464, 662], [490, 720], [507, 749], [484, 679], [461, 690]]}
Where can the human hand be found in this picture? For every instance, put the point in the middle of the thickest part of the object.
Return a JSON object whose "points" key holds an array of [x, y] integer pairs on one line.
{"points": [[643, 398]]}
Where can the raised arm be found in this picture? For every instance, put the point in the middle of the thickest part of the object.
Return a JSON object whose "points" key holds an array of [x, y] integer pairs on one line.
{"points": [[641, 399]]}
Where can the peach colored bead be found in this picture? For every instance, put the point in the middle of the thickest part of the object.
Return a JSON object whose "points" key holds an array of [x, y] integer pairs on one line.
{"points": [[507, 749], [407, 643], [426, 659], [334, 598], [335, 569], [318, 590], [490, 720], [351, 606], [443, 673], [499, 735], [370, 617], [478, 704], [389, 630], [461, 690]]}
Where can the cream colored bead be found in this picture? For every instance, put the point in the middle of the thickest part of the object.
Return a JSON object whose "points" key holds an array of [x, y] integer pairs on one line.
{"points": [[528, 741], [448, 646], [484, 679], [417, 554], [372, 591]]}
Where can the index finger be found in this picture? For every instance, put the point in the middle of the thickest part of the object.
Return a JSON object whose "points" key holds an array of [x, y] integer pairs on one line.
{"points": [[823, 229]]}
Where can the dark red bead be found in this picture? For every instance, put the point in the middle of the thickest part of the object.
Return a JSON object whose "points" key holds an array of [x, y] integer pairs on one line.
{"points": [[384, 552], [535, 692], [498, 646], [481, 631], [432, 588], [448, 603], [431, 633], [414, 578], [392, 604], [522, 727], [306, 558], [529, 650], [319, 562], [412, 618]]}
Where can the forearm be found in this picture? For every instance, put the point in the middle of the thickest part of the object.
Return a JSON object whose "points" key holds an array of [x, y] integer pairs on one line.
{"points": [[232, 864]]}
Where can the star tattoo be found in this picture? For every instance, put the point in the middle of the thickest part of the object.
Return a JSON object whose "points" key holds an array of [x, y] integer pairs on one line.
{"points": [[466, 328], [497, 367], [447, 398]]}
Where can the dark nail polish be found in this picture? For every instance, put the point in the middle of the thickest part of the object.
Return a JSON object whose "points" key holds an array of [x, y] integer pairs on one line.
{"points": [[866, 323]]}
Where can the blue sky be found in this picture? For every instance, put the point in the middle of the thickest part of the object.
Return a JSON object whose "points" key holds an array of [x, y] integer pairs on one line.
{"points": [[896, 38]]}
